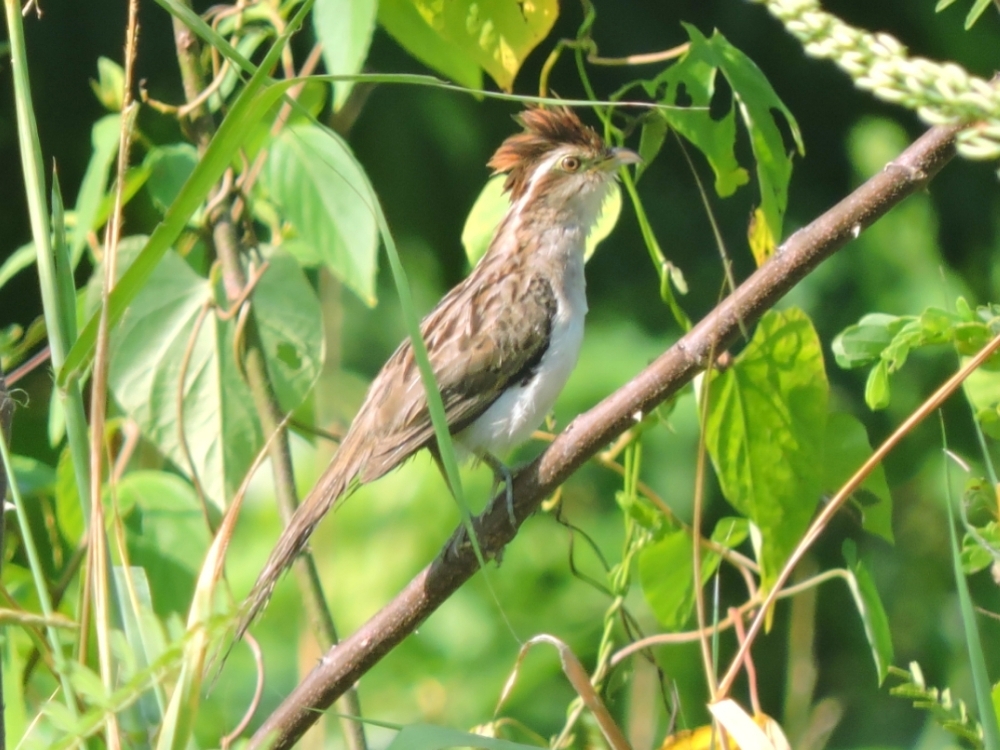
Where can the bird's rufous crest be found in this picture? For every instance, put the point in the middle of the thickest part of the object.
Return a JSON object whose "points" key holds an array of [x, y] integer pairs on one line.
{"points": [[544, 129]]}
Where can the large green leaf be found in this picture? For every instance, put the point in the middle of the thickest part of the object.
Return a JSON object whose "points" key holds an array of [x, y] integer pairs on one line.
{"points": [[492, 204], [691, 81], [313, 179], [345, 28], [219, 420], [765, 432], [459, 37], [407, 25]]}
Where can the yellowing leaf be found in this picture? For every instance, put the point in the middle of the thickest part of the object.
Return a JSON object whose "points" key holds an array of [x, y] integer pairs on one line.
{"points": [[495, 35], [759, 732], [761, 237]]}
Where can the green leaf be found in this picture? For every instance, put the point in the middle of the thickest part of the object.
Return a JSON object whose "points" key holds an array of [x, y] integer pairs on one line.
{"points": [[765, 431], [495, 35], [104, 138], [32, 476], [345, 28], [170, 167], [654, 133], [87, 684], [110, 84], [16, 262], [170, 537], [492, 204], [69, 510], [219, 420], [869, 605], [977, 9], [757, 101], [695, 74], [846, 448], [666, 570], [404, 21], [975, 556], [877, 387], [316, 183], [973, 641], [861, 344], [666, 575]]}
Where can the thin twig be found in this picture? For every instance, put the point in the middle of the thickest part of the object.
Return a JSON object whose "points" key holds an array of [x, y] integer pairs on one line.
{"points": [[690, 636], [258, 659], [99, 386], [647, 58]]}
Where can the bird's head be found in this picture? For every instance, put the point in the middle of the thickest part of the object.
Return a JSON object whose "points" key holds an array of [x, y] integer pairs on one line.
{"points": [[559, 163]]}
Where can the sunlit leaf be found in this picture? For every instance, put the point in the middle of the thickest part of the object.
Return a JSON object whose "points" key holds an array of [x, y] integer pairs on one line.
{"points": [[862, 343], [976, 556], [694, 76], [345, 28], [109, 88], [495, 35], [403, 20], [315, 182], [765, 431]]}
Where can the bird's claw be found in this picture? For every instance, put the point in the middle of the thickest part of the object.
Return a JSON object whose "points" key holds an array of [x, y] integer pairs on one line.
{"points": [[502, 473]]}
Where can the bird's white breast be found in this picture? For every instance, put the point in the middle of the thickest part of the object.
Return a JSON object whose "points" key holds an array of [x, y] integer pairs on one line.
{"points": [[511, 419]]}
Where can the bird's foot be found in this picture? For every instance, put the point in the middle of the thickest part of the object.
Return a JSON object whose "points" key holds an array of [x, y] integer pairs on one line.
{"points": [[501, 473]]}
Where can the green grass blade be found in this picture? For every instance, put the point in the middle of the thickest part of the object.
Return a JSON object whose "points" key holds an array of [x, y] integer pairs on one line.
{"points": [[56, 316], [38, 574], [977, 660]]}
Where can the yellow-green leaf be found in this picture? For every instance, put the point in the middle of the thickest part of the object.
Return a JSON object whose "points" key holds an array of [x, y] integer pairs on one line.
{"points": [[494, 35]]}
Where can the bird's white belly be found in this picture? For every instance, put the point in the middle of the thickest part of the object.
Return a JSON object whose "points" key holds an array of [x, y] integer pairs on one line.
{"points": [[511, 419]]}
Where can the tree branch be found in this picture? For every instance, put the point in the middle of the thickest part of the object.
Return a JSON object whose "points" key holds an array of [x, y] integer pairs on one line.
{"points": [[344, 664]]}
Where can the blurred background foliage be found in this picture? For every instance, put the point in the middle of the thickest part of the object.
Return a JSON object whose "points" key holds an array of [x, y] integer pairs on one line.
{"points": [[425, 152]]}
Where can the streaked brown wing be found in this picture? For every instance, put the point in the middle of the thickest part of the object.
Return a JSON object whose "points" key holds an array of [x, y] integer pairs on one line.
{"points": [[478, 345]]}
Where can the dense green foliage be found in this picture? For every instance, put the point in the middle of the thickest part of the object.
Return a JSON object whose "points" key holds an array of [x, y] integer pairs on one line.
{"points": [[353, 211]]}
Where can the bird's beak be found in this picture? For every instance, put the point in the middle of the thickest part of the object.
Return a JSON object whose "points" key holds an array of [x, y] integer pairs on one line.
{"points": [[620, 157]]}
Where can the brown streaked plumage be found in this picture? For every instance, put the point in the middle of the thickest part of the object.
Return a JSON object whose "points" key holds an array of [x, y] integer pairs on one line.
{"points": [[501, 343]]}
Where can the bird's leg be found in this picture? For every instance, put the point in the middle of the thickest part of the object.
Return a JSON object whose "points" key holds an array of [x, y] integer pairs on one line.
{"points": [[501, 473]]}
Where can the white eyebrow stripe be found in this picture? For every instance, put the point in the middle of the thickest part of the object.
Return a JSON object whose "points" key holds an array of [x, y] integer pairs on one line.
{"points": [[541, 169]]}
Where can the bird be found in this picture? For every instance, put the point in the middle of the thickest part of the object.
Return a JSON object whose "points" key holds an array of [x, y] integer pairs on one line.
{"points": [[502, 343]]}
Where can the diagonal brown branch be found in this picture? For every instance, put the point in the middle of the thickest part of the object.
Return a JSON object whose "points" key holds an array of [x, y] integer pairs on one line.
{"points": [[592, 431]]}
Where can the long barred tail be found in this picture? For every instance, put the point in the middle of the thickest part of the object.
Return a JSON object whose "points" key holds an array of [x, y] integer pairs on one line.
{"points": [[330, 488]]}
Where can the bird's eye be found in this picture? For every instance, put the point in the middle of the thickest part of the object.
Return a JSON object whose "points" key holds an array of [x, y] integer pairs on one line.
{"points": [[571, 163]]}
